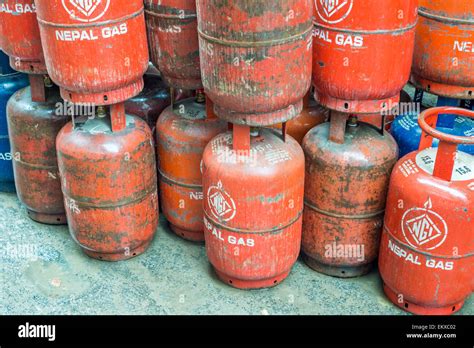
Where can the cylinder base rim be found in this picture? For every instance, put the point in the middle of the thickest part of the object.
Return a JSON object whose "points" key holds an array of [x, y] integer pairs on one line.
{"points": [[356, 106], [104, 98], [419, 309], [47, 219], [192, 236], [259, 119], [251, 284], [120, 256], [441, 89]]}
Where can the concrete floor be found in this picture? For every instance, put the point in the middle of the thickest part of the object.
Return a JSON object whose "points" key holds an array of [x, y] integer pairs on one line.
{"points": [[52, 276]]}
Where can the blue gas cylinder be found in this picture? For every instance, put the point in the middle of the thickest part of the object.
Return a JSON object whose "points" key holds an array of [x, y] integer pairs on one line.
{"points": [[407, 132], [10, 82]]}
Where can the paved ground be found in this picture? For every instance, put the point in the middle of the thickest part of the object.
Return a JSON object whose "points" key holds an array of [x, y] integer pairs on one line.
{"points": [[52, 276]]}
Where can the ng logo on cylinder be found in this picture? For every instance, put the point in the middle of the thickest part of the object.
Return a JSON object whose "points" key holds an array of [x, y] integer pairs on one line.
{"points": [[221, 203], [333, 11], [86, 10], [424, 228]]}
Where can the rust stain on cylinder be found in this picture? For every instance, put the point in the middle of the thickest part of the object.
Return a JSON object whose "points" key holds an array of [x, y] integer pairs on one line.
{"points": [[110, 187], [173, 41], [33, 128], [345, 193], [256, 58], [444, 48], [182, 135]]}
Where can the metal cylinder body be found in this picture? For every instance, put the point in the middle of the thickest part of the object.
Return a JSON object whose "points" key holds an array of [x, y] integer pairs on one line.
{"points": [[345, 193], [257, 51], [110, 187], [427, 220], [20, 36], [33, 127], [182, 135], [444, 50], [407, 133], [96, 51], [361, 62], [173, 41], [253, 204]]}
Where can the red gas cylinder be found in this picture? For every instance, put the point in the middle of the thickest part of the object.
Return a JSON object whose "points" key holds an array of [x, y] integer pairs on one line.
{"points": [[20, 37], [96, 51], [444, 50], [362, 53], [347, 174], [257, 51], [173, 41], [427, 246], [182, 134], [312, 115], [253, 202], [33, 126], [110, 186]]}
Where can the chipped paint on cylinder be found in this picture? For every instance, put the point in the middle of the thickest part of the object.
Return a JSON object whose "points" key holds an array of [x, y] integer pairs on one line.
{"points": [[95, 51], [110, 187], [444, 48], [33, 127], [345, 193], [20, 36], [426, 253], [173, 41], [361, 63], [258, 52], [182, 135], [253, 202]]}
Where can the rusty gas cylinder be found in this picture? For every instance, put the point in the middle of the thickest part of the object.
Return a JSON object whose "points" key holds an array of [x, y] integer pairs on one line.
{"points": [[183, 131], [33, 125], [173, 41], [444, 50], [347, 174], [362, 53], [253, 201], [427, 246], [96, 51], [312, 115], [257, 51], [20, 36], [109, 183]]}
